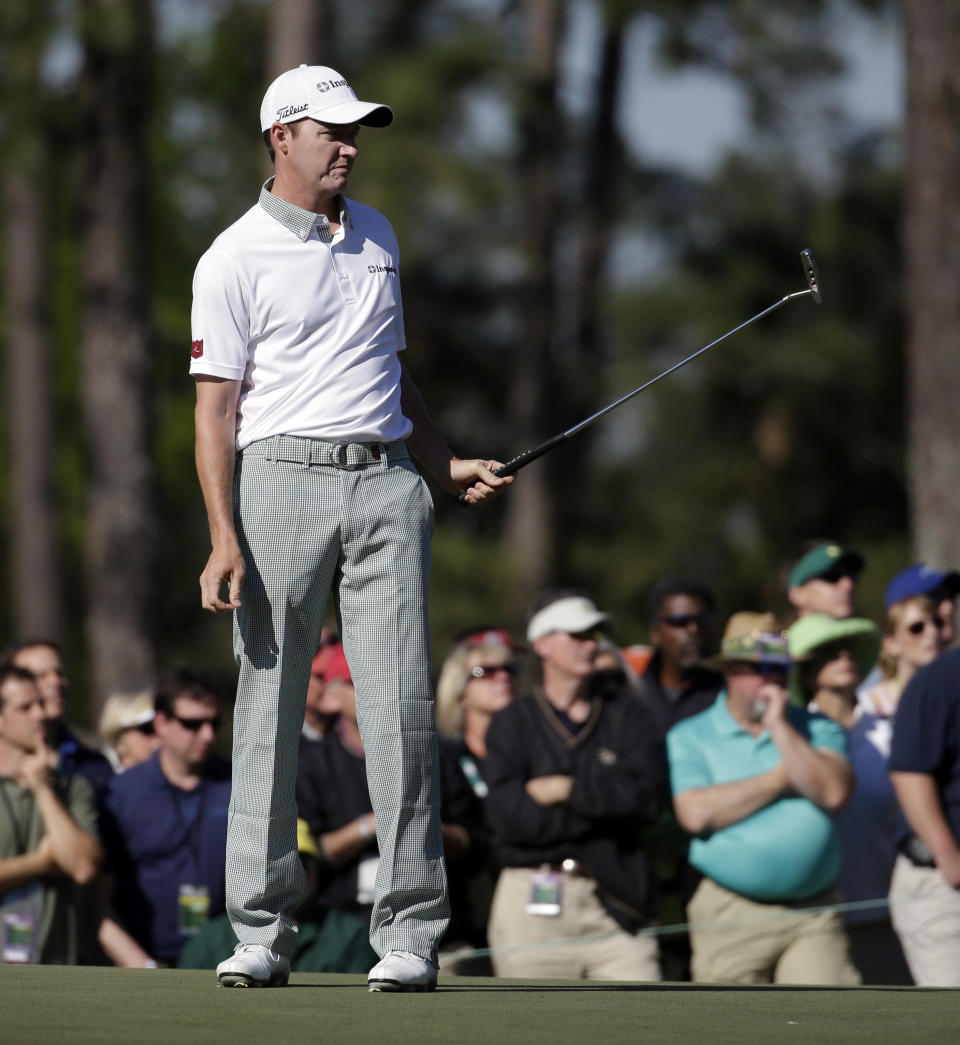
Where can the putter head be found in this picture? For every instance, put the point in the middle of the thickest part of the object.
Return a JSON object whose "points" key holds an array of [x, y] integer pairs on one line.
{"points": [[812, 273]]}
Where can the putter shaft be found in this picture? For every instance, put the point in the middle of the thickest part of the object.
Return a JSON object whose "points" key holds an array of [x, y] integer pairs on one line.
{"points": [[527, 456]]}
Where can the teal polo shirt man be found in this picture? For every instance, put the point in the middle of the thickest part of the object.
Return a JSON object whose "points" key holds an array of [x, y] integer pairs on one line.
{"points": [[755, 781]]}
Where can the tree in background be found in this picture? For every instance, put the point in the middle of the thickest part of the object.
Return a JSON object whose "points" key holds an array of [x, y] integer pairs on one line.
{"points": [[932, 244], [37, 608], [117, 343], [298, 34], [532, 400]]}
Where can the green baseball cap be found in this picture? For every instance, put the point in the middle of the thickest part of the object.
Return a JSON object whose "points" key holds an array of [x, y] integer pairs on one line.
{"points": [[821, 560]]}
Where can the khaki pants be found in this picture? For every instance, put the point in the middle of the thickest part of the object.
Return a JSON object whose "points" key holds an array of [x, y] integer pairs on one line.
{"points": [[533, 946], [736, 940], [925, 912]]}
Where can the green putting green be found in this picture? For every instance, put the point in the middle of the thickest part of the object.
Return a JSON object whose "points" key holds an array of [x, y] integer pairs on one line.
{"points": [[40, 1005]]}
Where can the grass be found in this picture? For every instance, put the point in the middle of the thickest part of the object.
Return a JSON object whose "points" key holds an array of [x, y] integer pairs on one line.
{"points": [[40, 1005]]}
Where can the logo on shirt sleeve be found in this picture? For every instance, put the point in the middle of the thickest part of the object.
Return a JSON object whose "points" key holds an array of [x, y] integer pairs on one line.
{"points": [[196, 349]]}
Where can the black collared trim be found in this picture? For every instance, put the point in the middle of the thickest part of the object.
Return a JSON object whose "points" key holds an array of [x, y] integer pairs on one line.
{"points": [[571, 740]]}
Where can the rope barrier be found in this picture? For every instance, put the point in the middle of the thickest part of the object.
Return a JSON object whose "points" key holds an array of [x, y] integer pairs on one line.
{"points": [[776, 911]]}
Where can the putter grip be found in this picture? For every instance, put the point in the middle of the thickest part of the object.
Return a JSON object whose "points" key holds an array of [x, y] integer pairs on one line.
{"points": [[518, 462]]}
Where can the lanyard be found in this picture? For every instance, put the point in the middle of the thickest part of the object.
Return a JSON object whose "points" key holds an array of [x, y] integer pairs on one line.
{"points": [[14, 823], [191, 833], [469, 769]]}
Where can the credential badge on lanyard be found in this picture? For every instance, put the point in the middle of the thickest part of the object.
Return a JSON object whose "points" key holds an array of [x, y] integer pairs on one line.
{"points": [[22, 910]]}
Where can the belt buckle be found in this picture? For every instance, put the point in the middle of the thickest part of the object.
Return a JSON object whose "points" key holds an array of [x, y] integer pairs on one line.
{"points": [[338, 455]]}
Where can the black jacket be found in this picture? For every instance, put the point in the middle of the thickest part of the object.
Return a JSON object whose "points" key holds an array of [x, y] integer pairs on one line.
{"points": [[473, 876], [699, 694], [331, 792], [617, 792]]}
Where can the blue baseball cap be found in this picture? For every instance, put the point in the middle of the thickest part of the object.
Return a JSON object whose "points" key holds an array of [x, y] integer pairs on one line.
{"points": [[920, 579]]}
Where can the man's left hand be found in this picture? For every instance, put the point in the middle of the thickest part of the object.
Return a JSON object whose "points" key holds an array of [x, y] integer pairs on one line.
{"points": [[475, 480]]}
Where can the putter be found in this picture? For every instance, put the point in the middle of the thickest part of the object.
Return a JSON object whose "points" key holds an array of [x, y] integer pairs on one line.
{"points": [[813, 290]]}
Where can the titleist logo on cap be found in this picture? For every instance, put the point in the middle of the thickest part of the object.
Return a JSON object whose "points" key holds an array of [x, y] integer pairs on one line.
{"points": [[290, 110]]}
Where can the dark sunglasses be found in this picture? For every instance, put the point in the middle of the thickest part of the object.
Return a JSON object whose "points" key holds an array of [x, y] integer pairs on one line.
{"points": [[588, 635], [196, 724], [759, 667], [918, 627], [684, 620], [837, 573], [486, 671], [146, 728], [832, 650]]}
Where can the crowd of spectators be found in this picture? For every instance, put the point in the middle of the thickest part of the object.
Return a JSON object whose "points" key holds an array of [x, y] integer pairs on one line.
{"points": [[789, 794]]}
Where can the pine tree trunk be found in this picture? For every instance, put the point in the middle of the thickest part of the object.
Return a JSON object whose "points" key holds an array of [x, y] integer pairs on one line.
{"points": [[932, 236], [36, 577], [116, 348], [37, 594], [298, 33], [529, 530]]}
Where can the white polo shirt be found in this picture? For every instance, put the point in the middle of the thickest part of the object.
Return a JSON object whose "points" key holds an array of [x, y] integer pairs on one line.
{"points": [[311, 324]]}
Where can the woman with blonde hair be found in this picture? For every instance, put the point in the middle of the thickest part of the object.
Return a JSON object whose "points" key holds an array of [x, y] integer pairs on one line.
{"points": [[476, 681], [126, 727], [912, 638]]}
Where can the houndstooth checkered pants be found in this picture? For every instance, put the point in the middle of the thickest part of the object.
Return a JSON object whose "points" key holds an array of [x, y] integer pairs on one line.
{"points": [[358, 518]]}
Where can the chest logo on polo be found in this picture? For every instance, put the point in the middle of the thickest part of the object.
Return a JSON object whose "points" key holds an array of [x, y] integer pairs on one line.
{"points": [[606, 757], [389, 269]]}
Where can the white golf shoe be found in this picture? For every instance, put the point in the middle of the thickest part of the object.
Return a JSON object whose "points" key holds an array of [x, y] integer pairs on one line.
{"points": [[403, 971], [251, 965]]}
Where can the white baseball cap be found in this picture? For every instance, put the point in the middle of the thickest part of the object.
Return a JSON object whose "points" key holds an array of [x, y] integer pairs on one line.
{"points": [[320, 93], [572, 614]]}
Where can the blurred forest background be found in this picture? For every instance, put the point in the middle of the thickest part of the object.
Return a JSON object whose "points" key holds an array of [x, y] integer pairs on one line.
{"points": [[549, 262]]}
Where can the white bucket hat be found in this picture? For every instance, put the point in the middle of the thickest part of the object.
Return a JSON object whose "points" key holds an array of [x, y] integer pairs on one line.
{"points": [[320, 93]]}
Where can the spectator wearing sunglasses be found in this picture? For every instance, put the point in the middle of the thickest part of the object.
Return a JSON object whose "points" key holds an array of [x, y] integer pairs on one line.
{"points": [[823, 579], [676, 685], [165, 830], [574, 779], [477, 680], [126, 728], [912, 638], [835, 655], [940, 586], [755, 782]]}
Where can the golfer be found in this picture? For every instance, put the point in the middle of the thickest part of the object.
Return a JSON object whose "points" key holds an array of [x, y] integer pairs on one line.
{"points": [[305, 423]]}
